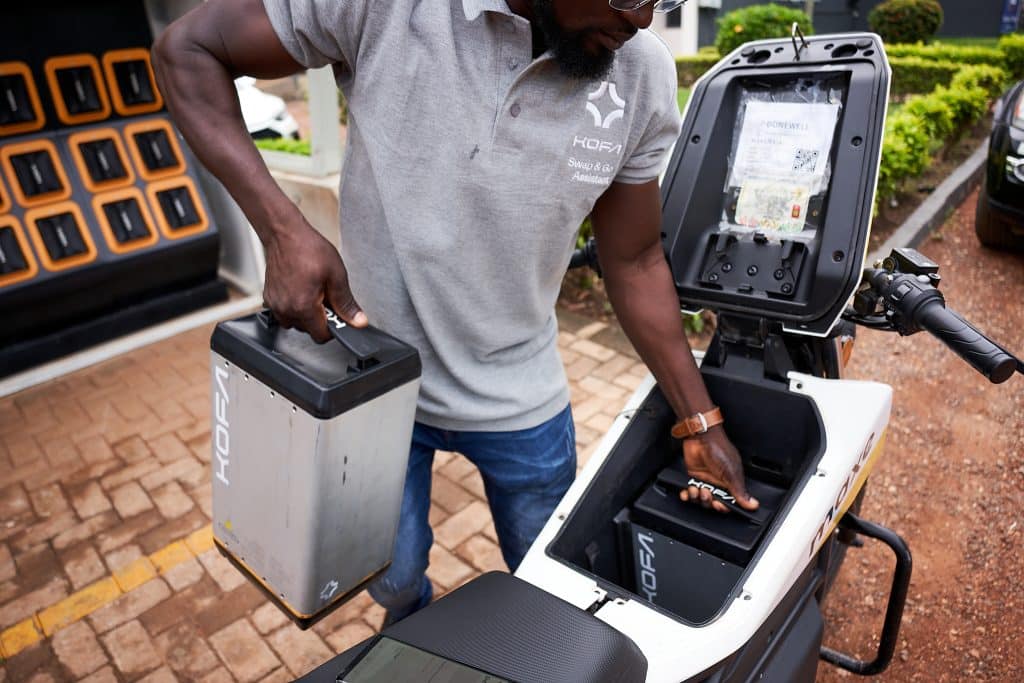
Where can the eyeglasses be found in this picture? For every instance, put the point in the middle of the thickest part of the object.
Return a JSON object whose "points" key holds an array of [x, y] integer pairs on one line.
{"points": [[660, 6]]}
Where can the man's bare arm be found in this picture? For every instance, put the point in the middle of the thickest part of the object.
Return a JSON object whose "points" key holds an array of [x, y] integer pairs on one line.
{"points": [[627, 224], [196, 61]]}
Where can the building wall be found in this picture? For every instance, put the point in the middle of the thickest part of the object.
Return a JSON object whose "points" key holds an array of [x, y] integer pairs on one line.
{"points": [[962, 17]]}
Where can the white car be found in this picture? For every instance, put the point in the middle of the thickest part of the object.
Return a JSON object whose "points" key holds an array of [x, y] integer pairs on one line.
{"points": [[266, 116]]}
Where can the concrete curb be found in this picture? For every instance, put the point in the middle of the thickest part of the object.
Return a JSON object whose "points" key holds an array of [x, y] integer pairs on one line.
{"points": [[934, 210]]}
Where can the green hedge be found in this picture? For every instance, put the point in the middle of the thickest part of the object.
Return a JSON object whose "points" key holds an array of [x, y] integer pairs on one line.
{"points": [[1012, 47], [926, 123], [758, 22], [915, 74], [949, 53], [285, 145], [689, 69]]}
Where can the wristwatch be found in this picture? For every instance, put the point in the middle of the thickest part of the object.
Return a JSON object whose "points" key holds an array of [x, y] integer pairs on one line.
{"points": [[697, 424]]}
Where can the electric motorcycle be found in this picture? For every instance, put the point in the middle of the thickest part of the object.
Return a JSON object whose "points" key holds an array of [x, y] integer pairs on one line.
{"points": [[767, 203]]}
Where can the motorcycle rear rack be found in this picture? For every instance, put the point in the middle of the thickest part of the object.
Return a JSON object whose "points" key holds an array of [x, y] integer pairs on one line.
{"points": [[894, 609]]}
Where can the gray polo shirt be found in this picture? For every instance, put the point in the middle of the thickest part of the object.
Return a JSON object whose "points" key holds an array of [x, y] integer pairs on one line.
{"points": [[469, 168]]}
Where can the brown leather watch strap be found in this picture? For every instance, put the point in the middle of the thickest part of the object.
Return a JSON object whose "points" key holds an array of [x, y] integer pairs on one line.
{"points": [[690, 426]]}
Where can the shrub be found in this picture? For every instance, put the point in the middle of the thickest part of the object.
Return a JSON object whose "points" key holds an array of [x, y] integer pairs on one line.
{"points": [[991, 79], [960, 54], [756, 23], [906, 21], [913, 75], [689, 69], [1012, 47]]}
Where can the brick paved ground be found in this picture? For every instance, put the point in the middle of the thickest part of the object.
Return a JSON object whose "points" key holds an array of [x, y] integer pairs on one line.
{"points": [[106, 567]]}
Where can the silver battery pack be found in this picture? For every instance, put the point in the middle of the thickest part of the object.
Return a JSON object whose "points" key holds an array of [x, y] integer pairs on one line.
{"points": [[310, 445]]}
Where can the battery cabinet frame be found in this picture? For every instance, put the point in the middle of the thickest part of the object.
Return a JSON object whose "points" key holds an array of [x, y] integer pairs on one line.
{"points": [[778, 432]]}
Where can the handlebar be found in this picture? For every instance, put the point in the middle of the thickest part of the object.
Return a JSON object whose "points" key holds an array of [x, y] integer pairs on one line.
{"points": [[912, 303]]}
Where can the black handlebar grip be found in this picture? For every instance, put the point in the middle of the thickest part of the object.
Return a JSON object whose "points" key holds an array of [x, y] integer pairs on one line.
{"points": [[356, 340], [966, 341]]}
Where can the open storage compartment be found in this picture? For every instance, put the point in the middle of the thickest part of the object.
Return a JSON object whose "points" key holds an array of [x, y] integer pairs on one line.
{"points": [[631, 532]]}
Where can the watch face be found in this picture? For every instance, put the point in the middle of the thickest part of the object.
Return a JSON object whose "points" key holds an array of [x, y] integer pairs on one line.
{"points": [[390, 660]]}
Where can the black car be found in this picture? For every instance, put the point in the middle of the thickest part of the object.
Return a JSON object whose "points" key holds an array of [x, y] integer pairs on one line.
{"points": [[999, 218]]}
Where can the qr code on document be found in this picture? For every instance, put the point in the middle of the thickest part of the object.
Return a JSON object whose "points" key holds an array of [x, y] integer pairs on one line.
{"points": [[805, 161]]}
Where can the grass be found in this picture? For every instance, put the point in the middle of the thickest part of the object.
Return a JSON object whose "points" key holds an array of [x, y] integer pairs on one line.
{"points": [[285, 145], [682, 96]]}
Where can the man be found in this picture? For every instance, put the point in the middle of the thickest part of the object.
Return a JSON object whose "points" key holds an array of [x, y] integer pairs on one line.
{"points": [[480, 135]]}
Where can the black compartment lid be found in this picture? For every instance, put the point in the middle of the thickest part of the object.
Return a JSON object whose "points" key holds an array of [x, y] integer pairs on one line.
{"points": [[322, 379], [802, 279]]}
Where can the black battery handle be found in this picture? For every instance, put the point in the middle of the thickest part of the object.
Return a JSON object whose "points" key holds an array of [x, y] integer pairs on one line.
{"points": [[358, 342]]}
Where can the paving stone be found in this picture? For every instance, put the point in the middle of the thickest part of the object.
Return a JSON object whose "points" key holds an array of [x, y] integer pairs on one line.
{"points": [[129, 606], [126, 474], [185, 574], [229, 607], [161, 675], [587, 409], [83, 565], [7, 568], [43, 531], [48, 500], [436, 516], [61, 451], [457, 468], [281, 675], [168, 447], [13, 503], [449, 495], [172, 501], [218, 675], [131, 649], [243, 651], [133, 448], [482, 553], [89, 500], [28, 604], [463, 524], [189, 604], [374, 615], [446, 568], [95, 449], [588, 331], [629, 382], [122, 557], [301, 651], [129, 500], [226, 576], [183, 467], [613, 368], [185, 651], [29, 661], [78, 649], [21, 473], [474, 483], [580, 368], [104, 675], [268, 618], [128, 531], [87, 473], [350, 611], [85, 530], [601, 422], [348, 635], [442, 458], [164, 534], [601, 388], [36, 566]]}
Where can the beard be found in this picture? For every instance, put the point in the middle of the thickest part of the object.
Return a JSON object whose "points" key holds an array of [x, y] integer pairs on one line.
{"points": [[573, 58]]}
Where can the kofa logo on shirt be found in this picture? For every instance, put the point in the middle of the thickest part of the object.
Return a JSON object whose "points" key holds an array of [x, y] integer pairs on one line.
{"points": [[615, 112]]}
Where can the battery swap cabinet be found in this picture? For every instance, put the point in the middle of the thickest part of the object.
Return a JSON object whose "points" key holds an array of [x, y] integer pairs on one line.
{"points": [[310, 446]]}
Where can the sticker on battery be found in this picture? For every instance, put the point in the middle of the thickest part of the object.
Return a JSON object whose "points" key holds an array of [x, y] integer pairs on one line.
{"points": [[773, 205]]}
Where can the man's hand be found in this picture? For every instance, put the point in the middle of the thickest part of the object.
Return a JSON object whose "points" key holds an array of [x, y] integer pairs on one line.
{"points": [[711, 457], [304, 274]]}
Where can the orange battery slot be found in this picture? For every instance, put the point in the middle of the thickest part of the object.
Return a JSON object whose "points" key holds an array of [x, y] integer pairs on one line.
{"points": [[132, 85], [154, 148], [124, 220], [61, 236], [16, 261], [77, 87], [101, 159], [177, 208], [34, 172], [19, 100], [5, 201]]}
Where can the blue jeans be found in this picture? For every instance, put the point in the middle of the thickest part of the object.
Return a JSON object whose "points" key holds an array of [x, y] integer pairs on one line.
{"points": [[525, 474]]}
